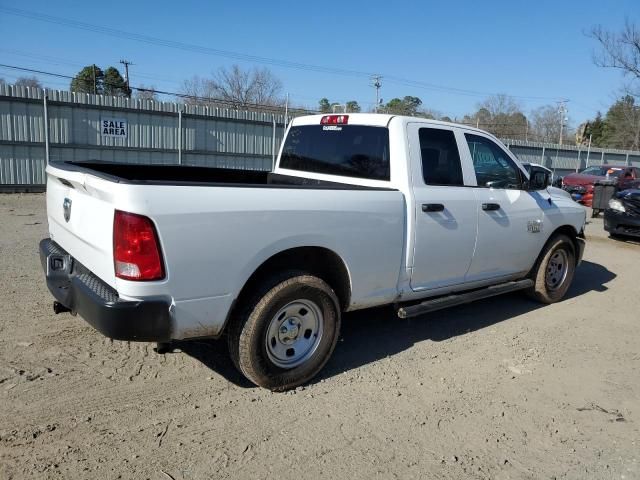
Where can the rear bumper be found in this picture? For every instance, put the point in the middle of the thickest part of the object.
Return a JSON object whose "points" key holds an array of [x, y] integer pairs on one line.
{"points": [[620, 223], [83, 293]]}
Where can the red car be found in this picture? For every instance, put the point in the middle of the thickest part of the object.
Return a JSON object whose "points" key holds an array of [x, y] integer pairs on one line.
{"points": [[580, 185]]}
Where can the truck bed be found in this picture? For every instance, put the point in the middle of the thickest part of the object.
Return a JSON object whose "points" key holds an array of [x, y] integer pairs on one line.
{"points": [[129, 173], [213, 239]]}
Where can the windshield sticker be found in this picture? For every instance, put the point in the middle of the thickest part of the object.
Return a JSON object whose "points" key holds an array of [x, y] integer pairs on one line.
{"points": [[332, 127]]}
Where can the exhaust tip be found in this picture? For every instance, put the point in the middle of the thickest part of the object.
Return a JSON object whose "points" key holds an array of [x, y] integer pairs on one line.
{"points": [[60, 308]]}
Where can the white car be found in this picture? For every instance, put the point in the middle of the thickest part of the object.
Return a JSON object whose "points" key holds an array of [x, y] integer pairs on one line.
{"points": [[361, 210]]}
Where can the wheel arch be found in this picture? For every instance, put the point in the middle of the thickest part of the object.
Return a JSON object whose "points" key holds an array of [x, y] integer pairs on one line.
{"points": [[569, 231], [319, 261]]}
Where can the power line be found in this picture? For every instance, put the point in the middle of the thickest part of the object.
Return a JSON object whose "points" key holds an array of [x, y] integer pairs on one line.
{"points": [[246, 57], [218, 101], [257, 106], [177, 45], [73, 63]]}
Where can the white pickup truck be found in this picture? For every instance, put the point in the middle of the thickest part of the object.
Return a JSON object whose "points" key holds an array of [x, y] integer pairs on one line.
{"points": [[361, 210]]}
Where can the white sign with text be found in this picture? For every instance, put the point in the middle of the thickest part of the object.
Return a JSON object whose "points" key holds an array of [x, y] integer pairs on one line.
{"points": [[113, 127]]}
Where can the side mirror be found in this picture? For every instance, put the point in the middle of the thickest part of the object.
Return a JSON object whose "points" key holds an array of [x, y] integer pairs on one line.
{"points": [[539, 178]]}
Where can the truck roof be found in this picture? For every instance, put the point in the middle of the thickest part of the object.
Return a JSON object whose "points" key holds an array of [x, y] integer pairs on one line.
{"points": [[377, 119]]}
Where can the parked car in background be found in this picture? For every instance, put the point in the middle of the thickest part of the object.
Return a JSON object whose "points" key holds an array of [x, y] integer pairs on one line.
{"points": [[623, 215], [580, 185]]}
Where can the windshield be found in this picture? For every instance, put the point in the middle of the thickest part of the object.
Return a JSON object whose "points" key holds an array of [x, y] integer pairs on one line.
{"points": [[346, 150], [602, 171]]}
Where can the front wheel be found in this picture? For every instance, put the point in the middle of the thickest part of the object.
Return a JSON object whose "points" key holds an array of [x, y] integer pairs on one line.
{"points": [[286, 332], [554, 270]]}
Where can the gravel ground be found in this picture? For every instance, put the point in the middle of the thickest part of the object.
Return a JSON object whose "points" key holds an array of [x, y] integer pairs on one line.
{"points": [[503, 388]]}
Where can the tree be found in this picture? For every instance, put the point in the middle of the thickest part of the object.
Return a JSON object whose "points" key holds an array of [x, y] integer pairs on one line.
{"points": [[352, 107], [114, 84], [198, 91], [240, 88], [620, 50], [500, 104], [31, 82], [324, 105], [500, 115], [432, 114], [146, 93], [622, 124], [408, 105], [545, 124], [594, 129], [88, 80]]}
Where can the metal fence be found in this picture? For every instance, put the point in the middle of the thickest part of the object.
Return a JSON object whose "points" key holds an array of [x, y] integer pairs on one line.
{"points": [[173, 133], [565, 159], [156, 133]]}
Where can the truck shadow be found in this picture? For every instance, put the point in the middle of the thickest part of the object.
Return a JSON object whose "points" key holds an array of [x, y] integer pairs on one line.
{"points": [[373, 334]]}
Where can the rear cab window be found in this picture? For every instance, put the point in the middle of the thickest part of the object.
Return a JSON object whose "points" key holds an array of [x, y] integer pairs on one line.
{"points": [[358, 151]]}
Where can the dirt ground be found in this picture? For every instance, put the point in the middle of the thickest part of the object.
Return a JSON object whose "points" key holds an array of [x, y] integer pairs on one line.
{"points": [[503, 388]]}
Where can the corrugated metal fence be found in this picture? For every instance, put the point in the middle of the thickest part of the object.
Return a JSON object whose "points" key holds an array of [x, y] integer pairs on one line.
{"points": [[173, 133], [157, 132], [567, 158]]}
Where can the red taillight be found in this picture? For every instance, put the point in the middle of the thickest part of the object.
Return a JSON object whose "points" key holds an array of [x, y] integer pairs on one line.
{"points": [[334, 120], [136, 250]]}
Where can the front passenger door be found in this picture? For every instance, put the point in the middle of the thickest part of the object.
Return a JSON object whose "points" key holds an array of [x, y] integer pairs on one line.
{"points": [[510, 218]]}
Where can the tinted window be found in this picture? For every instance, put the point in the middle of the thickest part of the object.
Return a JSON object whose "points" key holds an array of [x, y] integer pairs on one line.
{"points": [[348, 150], [493, 167], [440, 157]]}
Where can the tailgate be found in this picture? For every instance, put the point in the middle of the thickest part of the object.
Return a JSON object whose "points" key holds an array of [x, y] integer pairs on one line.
{"points": [[80, 215]]}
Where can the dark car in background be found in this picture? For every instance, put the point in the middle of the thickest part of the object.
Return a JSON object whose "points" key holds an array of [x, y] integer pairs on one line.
{"points": [[623, 215], [581, 185]]}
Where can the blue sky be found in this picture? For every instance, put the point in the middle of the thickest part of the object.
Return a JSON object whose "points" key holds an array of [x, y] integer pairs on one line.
{"points": [[535, 51]]}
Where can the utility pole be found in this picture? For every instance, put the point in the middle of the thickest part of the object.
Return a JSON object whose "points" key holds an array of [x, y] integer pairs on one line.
{"points": [[562, 111], [286, 111], [93, 68], [126, 64], [588, 150], [376, 84]]}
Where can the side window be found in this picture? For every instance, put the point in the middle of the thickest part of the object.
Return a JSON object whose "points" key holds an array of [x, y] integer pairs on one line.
{"points": [[440, 157], [493, 167]]}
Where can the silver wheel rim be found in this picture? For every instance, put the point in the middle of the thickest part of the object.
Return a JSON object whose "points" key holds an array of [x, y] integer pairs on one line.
{"points": [[294, 333], [557, 268]]}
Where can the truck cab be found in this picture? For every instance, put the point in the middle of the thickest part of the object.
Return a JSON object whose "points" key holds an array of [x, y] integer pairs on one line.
{"points": [[471, 215]]}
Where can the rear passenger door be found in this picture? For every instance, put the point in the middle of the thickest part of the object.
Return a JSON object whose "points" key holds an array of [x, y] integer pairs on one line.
{"points": [[445, 217]]}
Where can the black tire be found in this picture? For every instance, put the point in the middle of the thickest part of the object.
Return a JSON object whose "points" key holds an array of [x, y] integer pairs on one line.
{"points": [[544, 289], [247, 333]]}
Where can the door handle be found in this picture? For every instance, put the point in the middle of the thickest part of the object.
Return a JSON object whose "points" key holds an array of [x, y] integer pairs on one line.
{"points": [[432, 207], [491, 206]]}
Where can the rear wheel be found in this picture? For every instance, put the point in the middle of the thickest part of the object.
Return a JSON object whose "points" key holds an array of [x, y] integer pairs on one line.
{"points": [[286, 332], [554, 270]]}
